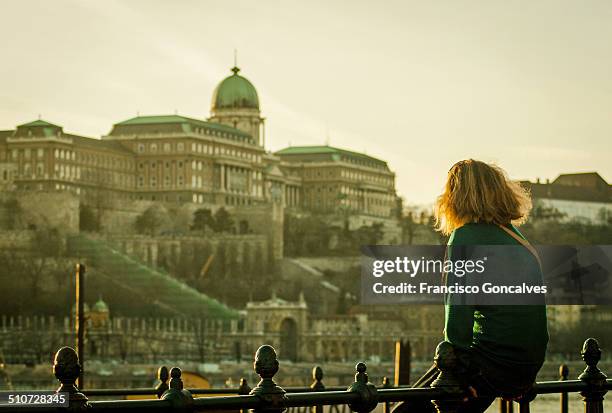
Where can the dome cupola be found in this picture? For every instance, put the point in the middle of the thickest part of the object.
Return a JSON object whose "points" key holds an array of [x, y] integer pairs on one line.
{"points": [[235, 103], [235, 92]]}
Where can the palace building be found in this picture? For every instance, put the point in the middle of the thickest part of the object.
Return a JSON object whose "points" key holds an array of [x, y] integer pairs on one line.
{"points": [[220, 161], [585, 197], [331, 179]]}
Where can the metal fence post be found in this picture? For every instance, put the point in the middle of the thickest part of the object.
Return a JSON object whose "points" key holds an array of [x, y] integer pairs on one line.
{"points": [[446, 361], [180, 398], [317, 385], [593, 377], [244, 389], [80, 320], [66, 369], [402, 362], [367, 391], [563, 375], [525, 400], [162, 377], [386, 384], [503, 405], [266, 366]]}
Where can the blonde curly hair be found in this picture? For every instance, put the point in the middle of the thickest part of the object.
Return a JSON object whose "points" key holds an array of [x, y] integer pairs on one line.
{"points": [[478, 192]]}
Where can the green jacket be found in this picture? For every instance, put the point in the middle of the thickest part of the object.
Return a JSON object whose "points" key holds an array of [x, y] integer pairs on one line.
{"points": [[511, 335]]}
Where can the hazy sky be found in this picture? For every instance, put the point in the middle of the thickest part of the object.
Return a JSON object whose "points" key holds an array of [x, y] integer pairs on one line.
{"points": [[421, 84]]}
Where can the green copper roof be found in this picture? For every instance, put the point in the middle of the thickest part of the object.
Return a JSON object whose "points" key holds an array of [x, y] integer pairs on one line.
{"points": [[38, 128], [235, 91], [335, 153], [39, 122], [302, 150], [148, 120], [187, 124]]}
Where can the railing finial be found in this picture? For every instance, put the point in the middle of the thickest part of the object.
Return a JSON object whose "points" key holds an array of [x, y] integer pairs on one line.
{"points": [[175, 379], [563, 372], [317, 379], [361, 375], [317, 385], [162, 377], [179, 398], [594, 395], [591, 353], [386, 384], [266, 362], [266, 366], [244, 387], [446, 361], [66, 368], [367, 391]]}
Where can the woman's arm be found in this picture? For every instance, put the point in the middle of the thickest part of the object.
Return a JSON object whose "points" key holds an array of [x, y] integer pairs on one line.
{"points": [[459, 324], [458, 315]]}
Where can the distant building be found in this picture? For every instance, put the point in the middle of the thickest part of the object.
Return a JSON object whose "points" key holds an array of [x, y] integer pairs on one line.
{"points": [[220, 161], [288, 326], [168, 158], [580, 196], [569, 316], [332, 179]]}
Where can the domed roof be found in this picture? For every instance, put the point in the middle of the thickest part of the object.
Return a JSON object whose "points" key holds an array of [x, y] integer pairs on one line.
{"points": [[100, 306], [235, 92]]}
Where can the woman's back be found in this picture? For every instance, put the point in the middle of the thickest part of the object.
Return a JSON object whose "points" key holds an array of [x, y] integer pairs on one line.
{"points": [[512, 337]]}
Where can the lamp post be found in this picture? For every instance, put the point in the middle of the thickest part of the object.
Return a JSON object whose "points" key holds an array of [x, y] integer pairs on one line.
{"points": [[80, 319]]}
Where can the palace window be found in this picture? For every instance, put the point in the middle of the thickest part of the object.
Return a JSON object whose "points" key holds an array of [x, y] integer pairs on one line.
{"points": [[153, 147], [167, 147], [141, 147], [180, 146]]}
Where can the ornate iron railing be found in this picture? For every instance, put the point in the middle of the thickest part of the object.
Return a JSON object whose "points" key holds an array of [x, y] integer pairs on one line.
{"points": [[361, 396]]}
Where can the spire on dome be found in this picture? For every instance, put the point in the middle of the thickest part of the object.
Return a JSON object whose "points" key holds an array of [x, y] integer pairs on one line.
{"points": [[235, 69]]}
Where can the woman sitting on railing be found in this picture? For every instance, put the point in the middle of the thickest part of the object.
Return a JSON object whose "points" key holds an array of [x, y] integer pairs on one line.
{"points": [[500, 348]]}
